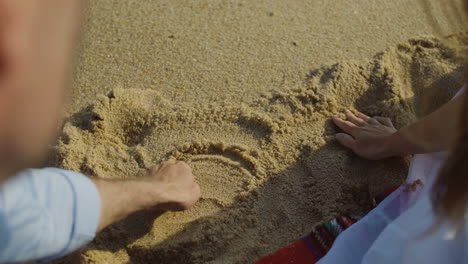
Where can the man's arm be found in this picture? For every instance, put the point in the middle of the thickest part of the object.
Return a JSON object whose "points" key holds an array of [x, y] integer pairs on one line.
{"points": [[168, 187], [376, 138], [47, 213]]}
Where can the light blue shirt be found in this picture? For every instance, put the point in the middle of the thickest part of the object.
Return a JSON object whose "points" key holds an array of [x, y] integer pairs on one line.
{"points": [[46, 213]]}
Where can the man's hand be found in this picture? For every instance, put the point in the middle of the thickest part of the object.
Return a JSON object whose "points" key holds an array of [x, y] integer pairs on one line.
{"points": [[178, 189], [169, 186], [367, 137]]}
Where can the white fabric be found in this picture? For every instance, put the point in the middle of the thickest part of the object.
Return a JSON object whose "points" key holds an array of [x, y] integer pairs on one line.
{"points": [[396, 231], [46, 213]]}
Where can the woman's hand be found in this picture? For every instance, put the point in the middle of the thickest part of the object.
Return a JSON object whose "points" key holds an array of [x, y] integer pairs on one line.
{"points": [[367, 137]]}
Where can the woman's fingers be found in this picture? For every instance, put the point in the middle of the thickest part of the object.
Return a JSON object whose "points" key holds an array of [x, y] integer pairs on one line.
{"points": [[362, 116], [345, 140], [346, 126], [373, 121], [384, 120], [353, 119]]}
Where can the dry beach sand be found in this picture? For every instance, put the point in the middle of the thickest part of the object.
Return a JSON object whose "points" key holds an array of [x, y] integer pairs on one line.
{"points": [[244, 91]]}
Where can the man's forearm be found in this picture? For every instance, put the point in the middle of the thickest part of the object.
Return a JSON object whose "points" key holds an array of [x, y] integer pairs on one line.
{"points": [[435, 132], [169, 186], [123, 197]]}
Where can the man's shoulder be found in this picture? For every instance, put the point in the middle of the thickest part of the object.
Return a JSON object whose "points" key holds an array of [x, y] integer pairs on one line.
{"points": [[46, 213]]}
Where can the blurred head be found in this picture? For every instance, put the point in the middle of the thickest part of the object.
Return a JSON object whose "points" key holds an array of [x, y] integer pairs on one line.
{"points": [[36, 41]]}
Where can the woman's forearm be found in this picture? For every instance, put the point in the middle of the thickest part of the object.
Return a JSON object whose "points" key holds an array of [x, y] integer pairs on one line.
{"points": [[435, 132]]}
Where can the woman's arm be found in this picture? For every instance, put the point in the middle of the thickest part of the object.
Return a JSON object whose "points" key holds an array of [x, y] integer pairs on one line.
{"points": [[376, 138]]}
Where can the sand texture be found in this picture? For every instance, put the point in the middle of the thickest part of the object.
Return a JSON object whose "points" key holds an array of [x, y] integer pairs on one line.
{"points": [[204, 50], [269, 169]]}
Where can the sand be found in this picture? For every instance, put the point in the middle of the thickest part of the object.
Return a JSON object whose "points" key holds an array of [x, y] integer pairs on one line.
{"points": [[270, 169], [205, 50], [244, 91]]}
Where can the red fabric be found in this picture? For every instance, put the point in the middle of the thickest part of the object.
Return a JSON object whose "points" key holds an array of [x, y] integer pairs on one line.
{"points": [[319, 240], [296, 253]]}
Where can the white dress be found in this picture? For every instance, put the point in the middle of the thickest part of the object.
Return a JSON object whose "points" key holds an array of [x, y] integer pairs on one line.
{"points": [[396, 230]]}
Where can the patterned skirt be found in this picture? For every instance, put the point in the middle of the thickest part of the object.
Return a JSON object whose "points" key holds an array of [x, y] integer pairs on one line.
{"points": [[315, 245]]}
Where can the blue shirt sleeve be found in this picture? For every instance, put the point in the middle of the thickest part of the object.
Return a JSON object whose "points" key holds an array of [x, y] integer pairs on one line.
{"points": [[46, 213]]}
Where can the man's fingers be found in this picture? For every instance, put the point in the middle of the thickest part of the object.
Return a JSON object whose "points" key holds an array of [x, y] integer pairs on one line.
{"points": [[184, 164], [384, 120], [345, 140], [197, 191], [353, 119], [346, 126]]}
